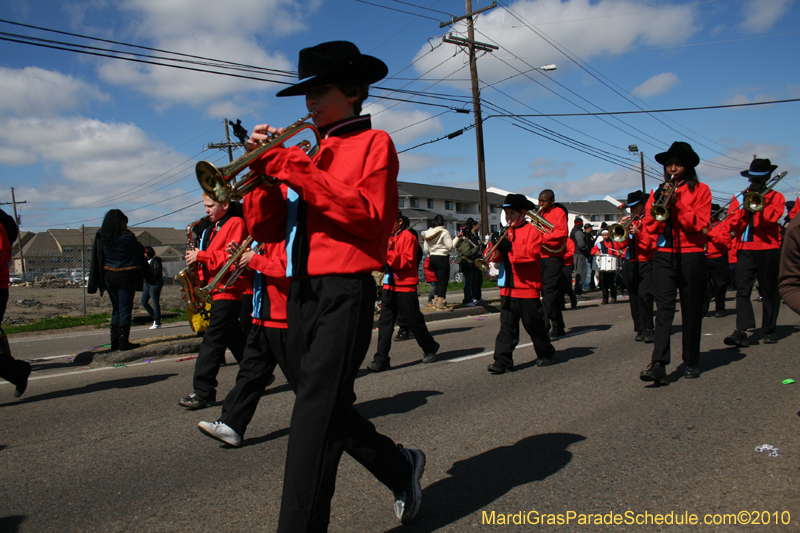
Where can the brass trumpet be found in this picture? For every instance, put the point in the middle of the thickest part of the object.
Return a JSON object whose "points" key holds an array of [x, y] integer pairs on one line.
{"points": [[205, 292], [619, 232], [219, 183], [489, 256], [660, 208], [755, 201], [539, 222]]}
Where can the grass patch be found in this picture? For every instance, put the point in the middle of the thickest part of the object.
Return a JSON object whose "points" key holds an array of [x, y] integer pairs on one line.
{"points": [[59, 323]]}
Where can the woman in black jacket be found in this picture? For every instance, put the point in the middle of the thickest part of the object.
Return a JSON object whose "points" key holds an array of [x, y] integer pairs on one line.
{"points": [[152, 287], [117, 259]]}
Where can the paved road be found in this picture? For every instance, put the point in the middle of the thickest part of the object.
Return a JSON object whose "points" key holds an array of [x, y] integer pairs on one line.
{"points": [[110, 450]]}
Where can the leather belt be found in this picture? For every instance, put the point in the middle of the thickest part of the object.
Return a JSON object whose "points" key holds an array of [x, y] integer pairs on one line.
{"points": [[123, 269]]}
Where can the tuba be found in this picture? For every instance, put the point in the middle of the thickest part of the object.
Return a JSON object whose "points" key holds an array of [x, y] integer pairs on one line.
{"points": [[219, 183], [755, 201], [190, 281]]}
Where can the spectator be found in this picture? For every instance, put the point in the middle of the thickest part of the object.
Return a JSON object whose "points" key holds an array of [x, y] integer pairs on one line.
{"points": [[14, 371], [438, 245], [153, 291]]}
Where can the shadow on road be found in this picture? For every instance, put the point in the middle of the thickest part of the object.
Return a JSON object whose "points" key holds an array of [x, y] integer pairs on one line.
{"points": [[11, 524], [476, 482], [404, 402], [123, 383], [449, 330]]}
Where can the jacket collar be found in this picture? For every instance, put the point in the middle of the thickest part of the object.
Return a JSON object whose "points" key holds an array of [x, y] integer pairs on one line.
{"points": [[346, 126]]}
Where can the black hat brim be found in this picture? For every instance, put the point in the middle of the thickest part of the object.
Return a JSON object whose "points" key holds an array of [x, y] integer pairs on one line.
{"points": [[746, 173], [357, 70], [688, 158]]}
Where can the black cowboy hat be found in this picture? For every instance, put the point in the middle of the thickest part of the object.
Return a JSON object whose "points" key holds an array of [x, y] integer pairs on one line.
{"points": [[518, 202], [759, 168], [714, 208], [335, 62], [634, 198], [680, 150]]}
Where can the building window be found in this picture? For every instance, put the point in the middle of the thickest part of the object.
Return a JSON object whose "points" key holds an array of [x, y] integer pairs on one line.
{"points": [[448, 205], [595, 218], [31, 261], [401, 203], [493, 209], [415, 202], [493, 228], [610, 218], [67, 249], [430, 203]]}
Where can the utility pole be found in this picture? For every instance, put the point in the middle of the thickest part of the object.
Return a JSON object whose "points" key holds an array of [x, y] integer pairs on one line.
{"points": [[228, 141], [472, 46], [16, 221], [641, 161]]}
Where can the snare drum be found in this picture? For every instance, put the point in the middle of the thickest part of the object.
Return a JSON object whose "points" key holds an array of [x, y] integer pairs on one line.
{"points": [[605, 263]]}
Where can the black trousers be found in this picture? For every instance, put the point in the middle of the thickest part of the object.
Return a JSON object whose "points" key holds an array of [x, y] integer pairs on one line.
{"points": [[11, 369], [638, 276], [330, 328], [551, 274], [441, 265], [246, 314], [608, 284], [719, 275], [566, 284], [764, 266], [529, 311], [224, 330], [255, 370], [407, 304], [477, 284], [686, 274]]}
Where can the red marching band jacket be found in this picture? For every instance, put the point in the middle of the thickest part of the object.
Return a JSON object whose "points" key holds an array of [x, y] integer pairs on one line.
{"points": [[520, 269], [270, 286], [553, 244], [611, 247], [758, 231], [336, 210], [719, 239], [214, 255], [683, 230], [569, 255], [640, 247], [401, 263]]}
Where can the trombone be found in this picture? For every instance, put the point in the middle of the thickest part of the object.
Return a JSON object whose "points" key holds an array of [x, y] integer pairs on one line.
{"points": [[619, 232], [205, 292], [219, 183], [489, 256], [660, 208], [755, 201]]}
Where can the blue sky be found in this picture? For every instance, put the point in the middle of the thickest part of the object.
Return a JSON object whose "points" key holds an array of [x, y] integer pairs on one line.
{"points": [[83, 134]]}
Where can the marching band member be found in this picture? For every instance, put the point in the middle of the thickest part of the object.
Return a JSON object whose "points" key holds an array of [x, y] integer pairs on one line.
{"points": [[15, 371], [400, 295], [719, 270], [520, 284], [224, 328], [566, 278], [336, 211], [554, 246], [637, 269], [679, 263], [759, 256], [266, 342], [608, 277]]}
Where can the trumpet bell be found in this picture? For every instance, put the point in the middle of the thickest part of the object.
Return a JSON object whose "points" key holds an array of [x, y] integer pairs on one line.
{"points": [[212, 181], [659, 213], [619, 233], [482, 265], [754, 202]]}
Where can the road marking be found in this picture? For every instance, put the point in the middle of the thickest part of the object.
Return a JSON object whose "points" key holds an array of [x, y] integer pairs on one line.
{"points": [[484, 354], [100, 331], [87, 370]]}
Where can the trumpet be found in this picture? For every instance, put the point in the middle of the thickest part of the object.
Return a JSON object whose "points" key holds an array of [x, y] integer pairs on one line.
{"points": [[489, 255], [660, 208], [205, 292], [755, 201], [619, 232], [539, 222], [219, 183]]}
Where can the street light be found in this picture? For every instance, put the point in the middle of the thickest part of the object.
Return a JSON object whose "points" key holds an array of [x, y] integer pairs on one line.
{"points": [[547, 67], [633, 149]]}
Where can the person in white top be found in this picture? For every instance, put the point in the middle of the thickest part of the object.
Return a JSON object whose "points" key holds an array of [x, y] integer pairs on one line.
{"points": [[438, 244]]}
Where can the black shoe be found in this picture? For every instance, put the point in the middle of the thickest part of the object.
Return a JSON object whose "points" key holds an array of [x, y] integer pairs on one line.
{"points": [[402, 335], [494, 368], [557, 332], [194, 402], [408, 501], [541, 361], [691, 372], [655, 373], [613, 299], [639, 337], [721, 313], [770, 338], [429, 358], [605, 302], [649, 336], [738, 338], [573, 302], [378, 366], [20, 390]]}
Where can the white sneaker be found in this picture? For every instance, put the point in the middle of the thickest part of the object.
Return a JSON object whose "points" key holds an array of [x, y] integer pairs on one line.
{"points": [[155, 326], [220, 431]]}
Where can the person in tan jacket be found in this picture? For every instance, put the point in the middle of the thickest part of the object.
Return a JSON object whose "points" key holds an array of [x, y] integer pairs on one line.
{"points": [[438, 244]]}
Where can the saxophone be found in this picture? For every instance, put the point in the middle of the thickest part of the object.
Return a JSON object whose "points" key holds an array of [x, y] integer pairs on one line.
{"points": [[190, 280]]}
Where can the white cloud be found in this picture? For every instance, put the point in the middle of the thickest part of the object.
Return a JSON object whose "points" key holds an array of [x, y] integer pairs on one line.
{"points": [[761, 15], [396, 123], [588, 29], [658, 84], [597, 185], [411, 162], [35, 91], [539, 162]]}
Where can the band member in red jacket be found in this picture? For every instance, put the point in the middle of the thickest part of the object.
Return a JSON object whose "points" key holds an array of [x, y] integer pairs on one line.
{"points": [[266, 338], [15, 371], [554, 246], [637, 268], [679, 263], [719, 270], [336, 211], [399, 295], [224, 329], [759, 256], [520, 284], [606, 246]]}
